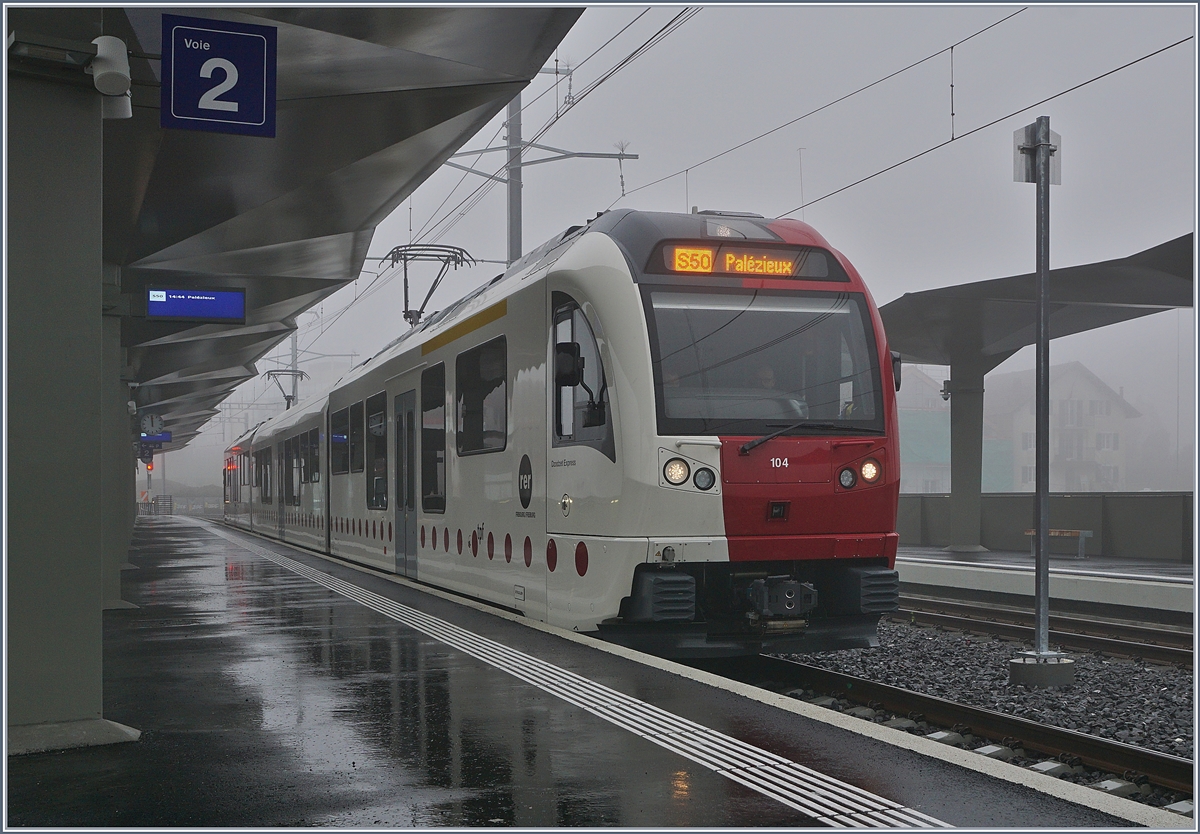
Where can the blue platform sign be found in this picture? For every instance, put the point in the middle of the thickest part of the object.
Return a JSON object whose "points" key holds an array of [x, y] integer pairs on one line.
{"points": [[218, 75], [198, 305]]}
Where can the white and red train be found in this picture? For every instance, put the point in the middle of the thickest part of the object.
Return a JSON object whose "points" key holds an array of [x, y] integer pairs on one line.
{"points": [[677, 431]]}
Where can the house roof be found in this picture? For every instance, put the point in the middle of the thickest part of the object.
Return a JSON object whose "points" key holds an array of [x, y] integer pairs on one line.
{"points": [[1012, 391]]}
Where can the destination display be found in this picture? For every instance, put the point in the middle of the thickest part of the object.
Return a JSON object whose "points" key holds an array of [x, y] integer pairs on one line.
{"points": [[729, 259], [217, 306]]}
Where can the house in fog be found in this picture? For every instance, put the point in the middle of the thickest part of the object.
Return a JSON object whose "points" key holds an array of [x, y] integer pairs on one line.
{"points": [[924, 433], [1089, 430]]}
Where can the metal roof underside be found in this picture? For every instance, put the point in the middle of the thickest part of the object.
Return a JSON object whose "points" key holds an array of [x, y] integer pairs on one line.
{"points": [[983, 323], [371, 101]]}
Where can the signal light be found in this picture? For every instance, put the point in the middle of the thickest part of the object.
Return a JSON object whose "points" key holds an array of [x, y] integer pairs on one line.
{"points": [[149, 467]]}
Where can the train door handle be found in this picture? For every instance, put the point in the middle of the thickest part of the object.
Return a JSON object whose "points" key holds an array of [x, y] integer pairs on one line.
{"points": [[566, 503]]}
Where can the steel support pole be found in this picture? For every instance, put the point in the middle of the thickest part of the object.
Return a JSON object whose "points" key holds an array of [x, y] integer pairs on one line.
{"points": [[1042, 501], [513, 174], [295, 368]]}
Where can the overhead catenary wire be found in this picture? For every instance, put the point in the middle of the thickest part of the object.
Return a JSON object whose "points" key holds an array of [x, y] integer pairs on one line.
{"points": [[525, 107], [385, 275], [825, 106], [992, 123], [478, 194], [458, 212]]}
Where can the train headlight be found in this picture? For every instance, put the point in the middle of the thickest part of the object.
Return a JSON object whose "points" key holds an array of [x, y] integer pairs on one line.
{"points": [[676, 471], [870, 470], [847, 478], [704, 478]]}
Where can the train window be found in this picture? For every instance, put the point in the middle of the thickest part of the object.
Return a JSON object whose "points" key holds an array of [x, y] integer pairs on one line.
{"points": [[433, 439], [581, 412], [339, 442], [481, 398], [377, 462], [297, 472], [263, 470], [247, 469], [289, 471], [356, 437], [314, 455], [750, 363], [303, 456]]}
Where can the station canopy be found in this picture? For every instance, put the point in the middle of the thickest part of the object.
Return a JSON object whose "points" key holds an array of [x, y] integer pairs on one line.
{"points": [[371, 101], [983, 323]]}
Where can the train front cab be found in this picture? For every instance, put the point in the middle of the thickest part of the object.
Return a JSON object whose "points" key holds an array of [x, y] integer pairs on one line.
{"points": [[768, 493]]}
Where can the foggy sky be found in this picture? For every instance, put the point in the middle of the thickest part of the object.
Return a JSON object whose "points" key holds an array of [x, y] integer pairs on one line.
{"points": [[952, 216]]}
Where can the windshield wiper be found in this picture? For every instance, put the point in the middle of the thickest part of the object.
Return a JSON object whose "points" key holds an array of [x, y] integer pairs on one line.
{"points": [[805, 424]]}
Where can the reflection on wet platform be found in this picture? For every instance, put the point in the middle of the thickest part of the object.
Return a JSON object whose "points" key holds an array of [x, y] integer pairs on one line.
{"points": [[266, 699]]}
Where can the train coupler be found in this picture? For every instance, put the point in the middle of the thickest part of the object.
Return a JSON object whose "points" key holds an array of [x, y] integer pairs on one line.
{"points": [[781, 596]]}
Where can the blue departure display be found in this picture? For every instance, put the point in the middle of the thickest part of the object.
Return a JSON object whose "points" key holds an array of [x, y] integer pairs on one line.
{"points": [[227, 306]]}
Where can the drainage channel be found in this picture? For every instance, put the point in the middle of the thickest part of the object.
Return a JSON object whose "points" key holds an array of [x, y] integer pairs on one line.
{"points": [[829, 801]]}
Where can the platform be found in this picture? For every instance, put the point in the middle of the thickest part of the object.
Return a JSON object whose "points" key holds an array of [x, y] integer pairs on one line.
{"points": [[1135, 589], [274, 687]]}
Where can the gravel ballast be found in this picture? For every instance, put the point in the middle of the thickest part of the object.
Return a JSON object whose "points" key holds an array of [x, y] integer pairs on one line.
{"points": [[1129, 700]]}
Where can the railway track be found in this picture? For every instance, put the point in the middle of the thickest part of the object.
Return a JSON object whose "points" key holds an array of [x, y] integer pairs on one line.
{"points": [[1157, 644], [1164, 770]]}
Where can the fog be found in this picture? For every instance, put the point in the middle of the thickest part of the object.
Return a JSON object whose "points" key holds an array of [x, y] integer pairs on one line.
{"points": [[949, 216]]}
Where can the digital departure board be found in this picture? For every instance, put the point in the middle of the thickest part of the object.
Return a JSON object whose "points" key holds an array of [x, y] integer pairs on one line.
{"points": [[727, 259], [198, 305]]}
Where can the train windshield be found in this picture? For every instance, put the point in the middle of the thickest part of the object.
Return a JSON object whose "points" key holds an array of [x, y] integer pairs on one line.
{"points": [[746, 362]]}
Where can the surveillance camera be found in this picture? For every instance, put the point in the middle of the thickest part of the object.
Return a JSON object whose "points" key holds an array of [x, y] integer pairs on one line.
{"points": [[110, 67]]}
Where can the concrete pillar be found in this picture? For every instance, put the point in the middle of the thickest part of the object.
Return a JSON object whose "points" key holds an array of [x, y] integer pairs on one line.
{"points": [[54, 237], [117, 458], [966, 457]]}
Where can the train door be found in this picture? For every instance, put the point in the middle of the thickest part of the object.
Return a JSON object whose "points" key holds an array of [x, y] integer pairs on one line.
{"points": [[279, 492], [582, 477], [326, 465], [406, 484]]}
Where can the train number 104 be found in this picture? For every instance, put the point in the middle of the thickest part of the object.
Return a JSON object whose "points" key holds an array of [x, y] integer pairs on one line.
{"points": [[779, 463]]}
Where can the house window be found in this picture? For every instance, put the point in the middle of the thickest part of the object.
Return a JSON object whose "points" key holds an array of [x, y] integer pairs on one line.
{"points": [[1072, 413]]}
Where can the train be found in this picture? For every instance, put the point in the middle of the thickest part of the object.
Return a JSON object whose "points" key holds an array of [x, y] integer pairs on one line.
{"points": [[675, 432]]}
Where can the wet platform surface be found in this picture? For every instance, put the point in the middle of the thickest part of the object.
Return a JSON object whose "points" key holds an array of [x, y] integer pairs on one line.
{"points": [[266, 699]]}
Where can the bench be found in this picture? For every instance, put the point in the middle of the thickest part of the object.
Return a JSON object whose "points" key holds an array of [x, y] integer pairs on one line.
{"points": [[1082, 535]]}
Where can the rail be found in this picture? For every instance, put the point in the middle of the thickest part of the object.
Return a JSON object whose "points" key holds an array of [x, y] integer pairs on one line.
{"points": [[1161, 769], [1160, 645]]}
